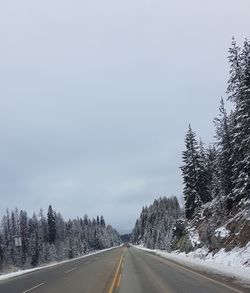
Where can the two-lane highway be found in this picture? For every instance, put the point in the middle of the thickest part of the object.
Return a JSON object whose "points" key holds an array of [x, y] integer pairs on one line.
{"points": [[120, 270], [94, 273]]}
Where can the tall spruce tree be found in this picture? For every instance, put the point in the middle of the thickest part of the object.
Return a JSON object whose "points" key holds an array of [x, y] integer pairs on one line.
{"points": [[213, 175], [24, 233], [190, 171], [51, 225], [239, 93], [34, 247], [223, 135], [203, 175]]}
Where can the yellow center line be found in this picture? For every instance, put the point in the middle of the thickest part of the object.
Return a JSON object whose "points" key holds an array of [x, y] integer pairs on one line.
{"points": [[117, 278]]}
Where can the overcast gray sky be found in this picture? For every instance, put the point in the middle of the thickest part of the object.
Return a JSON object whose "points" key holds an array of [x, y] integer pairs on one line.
{"points": [[96, 97]]}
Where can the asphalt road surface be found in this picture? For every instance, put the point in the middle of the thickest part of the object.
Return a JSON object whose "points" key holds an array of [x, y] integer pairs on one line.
{"points": [[145, 272], [120, 270]]}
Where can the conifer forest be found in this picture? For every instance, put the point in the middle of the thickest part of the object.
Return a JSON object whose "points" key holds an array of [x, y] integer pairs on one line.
{"points": [[216, 177]]}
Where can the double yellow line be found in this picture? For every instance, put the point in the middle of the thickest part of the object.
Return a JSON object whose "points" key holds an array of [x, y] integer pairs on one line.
{"points": [[117, 278]]}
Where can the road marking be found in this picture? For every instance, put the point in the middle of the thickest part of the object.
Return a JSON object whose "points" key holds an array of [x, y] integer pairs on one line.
{"points": [[116, 279], [205, 277], [119, 280], [71, 270], [87, 262], [33, 288]]}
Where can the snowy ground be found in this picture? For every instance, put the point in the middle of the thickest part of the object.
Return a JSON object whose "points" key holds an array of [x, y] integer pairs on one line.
{"points": [[21, 272], [234, 264]]}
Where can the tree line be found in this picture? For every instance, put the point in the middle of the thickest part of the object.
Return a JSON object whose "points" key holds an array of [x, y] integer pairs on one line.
{"points": [[222, 171], [154, 227], [30, 241], [219, 173]]}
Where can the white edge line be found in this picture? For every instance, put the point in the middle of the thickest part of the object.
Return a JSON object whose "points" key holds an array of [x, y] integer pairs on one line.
{"points": [[192, 270], [206, 277], [33, 288], [71, 270], [23, 272]]}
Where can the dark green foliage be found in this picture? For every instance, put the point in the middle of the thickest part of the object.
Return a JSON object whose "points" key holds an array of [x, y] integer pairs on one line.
{"points": [[51, 225]]}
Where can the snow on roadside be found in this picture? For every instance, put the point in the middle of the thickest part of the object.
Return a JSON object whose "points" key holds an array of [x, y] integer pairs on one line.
{"points": [[222, 232], [22, 272], [194, 237], [233, 264]]}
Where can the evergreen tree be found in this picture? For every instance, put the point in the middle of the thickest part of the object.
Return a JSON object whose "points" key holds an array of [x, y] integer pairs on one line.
{"points": [[203, 175], [154, 228], [223, 135], [45, 240], [34, 248], [97, 221], [190, 171], [213, 173], [51, 225], [239, 93], [24, 230], [102, 222]]}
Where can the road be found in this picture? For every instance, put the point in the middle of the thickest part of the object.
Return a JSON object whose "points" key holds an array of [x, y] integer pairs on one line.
{"points": [[146, 272], [120, 270]]}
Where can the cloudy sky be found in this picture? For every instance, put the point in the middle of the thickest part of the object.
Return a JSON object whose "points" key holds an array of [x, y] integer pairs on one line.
{"points": [[96, 97]]}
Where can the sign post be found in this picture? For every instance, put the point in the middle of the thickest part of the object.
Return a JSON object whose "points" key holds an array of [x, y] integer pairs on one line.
{"points": [[18, 241]]}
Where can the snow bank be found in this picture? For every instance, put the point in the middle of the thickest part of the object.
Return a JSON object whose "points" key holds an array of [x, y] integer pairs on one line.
{"points": [[22, 272], [194, 237], [222, 232], [18, 273], [234, 264]]}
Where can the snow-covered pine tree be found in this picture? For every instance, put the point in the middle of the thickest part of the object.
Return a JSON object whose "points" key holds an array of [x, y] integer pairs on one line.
{"points": [[223, 135], [203, 175], [239, 93], [156, 223], [40, 244], [190, 171], [102, 222], [213, 173], [7, 240], [34, 247], [1, 252], [143, 221], [25, 236], [51, 225], [136, 232]]}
